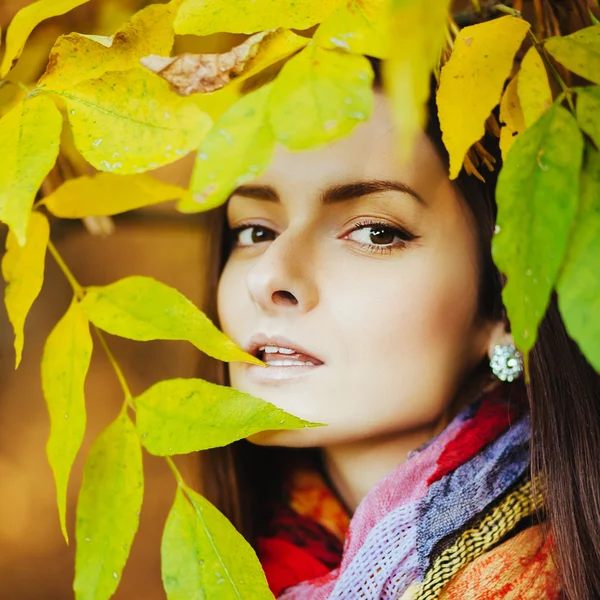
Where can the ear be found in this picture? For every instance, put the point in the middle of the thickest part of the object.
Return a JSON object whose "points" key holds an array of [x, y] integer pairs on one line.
{"points": [[499, 336]]}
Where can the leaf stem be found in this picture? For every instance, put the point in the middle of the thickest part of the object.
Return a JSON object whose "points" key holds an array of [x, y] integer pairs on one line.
{"points": [[178, 477], [508, 10], [77, 288]]}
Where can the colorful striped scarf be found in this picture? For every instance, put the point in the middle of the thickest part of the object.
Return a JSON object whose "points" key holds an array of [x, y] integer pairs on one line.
{"points": [[456, 520]]}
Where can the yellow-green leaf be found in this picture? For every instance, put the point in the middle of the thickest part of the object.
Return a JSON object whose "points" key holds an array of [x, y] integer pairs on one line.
{"points": [[407, 73], [23, 271], [578, 286], [588, 112], [203, 556], [579, 52], [357, 26], [537, 195], [472, 81], [29, 138], [105, 194], [65, 364], [129, 122], [179, 416], [535, 94], [511, 115], [329, 88], [108, 510], [76, 57], [238, 148], [141, 308], [203, 17], [25, 21]]}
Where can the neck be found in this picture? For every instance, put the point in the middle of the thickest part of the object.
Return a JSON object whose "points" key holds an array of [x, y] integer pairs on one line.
{"points": [[355, 468]]}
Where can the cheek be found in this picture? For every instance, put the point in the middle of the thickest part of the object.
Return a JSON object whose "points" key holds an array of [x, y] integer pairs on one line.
{"points": [[231, 293]]}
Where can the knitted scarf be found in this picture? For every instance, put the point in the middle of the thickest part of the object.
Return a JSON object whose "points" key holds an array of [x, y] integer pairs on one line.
{"points": [[456, 521]]}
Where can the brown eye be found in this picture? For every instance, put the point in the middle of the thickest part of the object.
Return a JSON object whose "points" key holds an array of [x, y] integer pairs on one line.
{"points": [[381, 235], [248, 235]]}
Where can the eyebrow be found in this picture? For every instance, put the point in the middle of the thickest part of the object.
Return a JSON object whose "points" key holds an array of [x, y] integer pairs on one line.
{"points": [[335, 193]]}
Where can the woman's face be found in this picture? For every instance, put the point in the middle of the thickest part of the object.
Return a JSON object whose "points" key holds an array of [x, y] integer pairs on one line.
{"points": [[365, 273]]}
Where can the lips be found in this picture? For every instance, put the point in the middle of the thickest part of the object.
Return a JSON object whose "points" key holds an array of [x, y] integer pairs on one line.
{"points": [[281, 351]]}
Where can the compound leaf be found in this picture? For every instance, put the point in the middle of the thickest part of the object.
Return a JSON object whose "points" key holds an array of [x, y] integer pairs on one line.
{"points": [[23, 271], [65, 363], [141, 308]]}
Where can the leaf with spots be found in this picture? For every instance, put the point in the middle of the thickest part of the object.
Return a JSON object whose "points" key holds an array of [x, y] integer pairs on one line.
{"points": [[203, 556], [330, 89], [578, 286], [537, 195], [203, 17], [407, 73], [588, 112], [129, 122], [108, 510], [535, 94], [77, 57], [65, 363], [106, 194], [238, 148], [179, 416], [141, 308], [357, 26], [206, 73], [23, 271], [472, 81], [511, 116], [25, 21], [29, 138], [579, 52]]}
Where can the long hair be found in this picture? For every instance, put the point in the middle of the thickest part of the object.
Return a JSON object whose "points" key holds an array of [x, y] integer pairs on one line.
{"points": [[564, 398]]}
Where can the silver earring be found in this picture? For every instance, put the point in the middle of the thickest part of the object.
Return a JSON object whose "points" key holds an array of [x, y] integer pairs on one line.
{"points": [[506, 363]]}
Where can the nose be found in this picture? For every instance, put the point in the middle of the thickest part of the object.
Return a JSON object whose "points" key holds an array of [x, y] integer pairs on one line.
{"points": [[282, 279]]}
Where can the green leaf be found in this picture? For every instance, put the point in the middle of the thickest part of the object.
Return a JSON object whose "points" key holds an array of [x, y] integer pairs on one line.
{"points": [[407, 73], [25, 21], [472, 81], [238, 148], [108, 510], [578, 286], [357, 26], [23, 271], [129, 122], [203, 17], [203, 556], [77, 57], [65, 364], [579, 52], [330, 89], [179, 416], [29, 138], [588, 112], [141, 308], [537, 195], [105, 194]]}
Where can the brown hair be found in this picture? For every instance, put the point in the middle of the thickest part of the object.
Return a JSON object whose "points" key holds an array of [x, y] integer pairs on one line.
{"points": [[564, 398]]}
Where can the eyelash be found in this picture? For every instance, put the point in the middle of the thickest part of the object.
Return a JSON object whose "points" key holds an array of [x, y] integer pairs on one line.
{"points": [[405, 236]]}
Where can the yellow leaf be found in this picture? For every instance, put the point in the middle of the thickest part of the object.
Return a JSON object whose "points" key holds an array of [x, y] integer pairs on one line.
{"points": [[65, 363], [511, 115], [25, 22], [407, 73], [29, 138], [129, 122], [203, 17], [472, 82], [357, 26], [217, 103], [534, 90], [76, 57], [23, 271], [579, 52], [106, 194]]}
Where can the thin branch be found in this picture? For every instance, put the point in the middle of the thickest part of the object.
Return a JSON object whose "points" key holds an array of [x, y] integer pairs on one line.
{"points": [[77, 288]]}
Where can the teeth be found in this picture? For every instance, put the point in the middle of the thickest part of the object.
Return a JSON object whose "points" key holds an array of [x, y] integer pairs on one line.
{"points": [[290, 363], [276, 350]]}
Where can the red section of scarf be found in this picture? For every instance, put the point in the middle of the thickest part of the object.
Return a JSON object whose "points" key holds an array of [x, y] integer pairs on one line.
{"points": [[490, 421]]}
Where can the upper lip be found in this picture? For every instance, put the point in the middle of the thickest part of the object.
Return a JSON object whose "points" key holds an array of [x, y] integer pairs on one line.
{"points": [[262, 339]]}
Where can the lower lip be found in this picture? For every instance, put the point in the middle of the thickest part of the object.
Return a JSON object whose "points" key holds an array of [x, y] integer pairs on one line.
{"points": [[272, 374]]}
